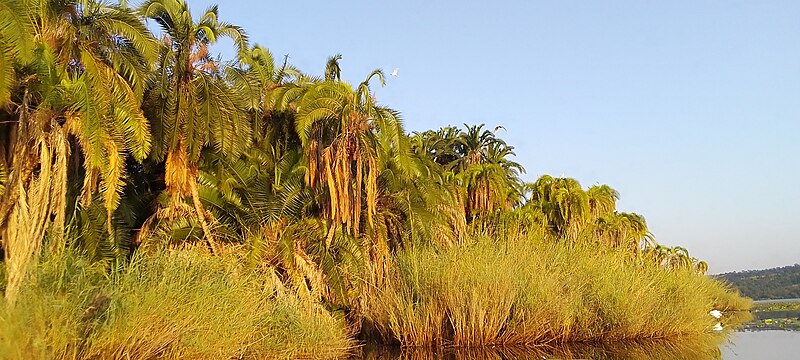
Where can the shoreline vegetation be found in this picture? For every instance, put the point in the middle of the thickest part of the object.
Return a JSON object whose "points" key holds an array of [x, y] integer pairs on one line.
{"points": [[524, 291], [159, 202], [768, 284], [782, 315], [176, 305]]}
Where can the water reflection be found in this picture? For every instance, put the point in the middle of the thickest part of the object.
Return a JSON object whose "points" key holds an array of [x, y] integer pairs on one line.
{"points": [[658, 350], [712, 346]]}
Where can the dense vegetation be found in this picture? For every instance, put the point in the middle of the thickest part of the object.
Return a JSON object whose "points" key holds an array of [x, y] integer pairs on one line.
{"points": [[174, 306], [140, 175], [541, 293], [776, 283]]}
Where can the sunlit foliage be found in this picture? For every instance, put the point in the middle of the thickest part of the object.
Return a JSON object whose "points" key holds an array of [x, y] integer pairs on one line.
{"points": [[114, 142]]}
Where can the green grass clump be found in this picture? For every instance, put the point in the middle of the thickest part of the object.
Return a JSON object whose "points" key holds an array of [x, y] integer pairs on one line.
{"points": [[173, 305], [525, 291]]}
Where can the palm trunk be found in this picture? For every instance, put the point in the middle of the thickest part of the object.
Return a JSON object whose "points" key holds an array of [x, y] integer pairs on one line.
{"points": [[201, 215], [181, 180]]}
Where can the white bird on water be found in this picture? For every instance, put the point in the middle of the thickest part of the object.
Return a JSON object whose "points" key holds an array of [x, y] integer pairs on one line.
{"points": [[395, 71]]}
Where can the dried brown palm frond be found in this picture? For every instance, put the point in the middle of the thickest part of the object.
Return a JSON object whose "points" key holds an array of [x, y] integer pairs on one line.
{"points": [[38, 200], [339, 128], [79, 72]]}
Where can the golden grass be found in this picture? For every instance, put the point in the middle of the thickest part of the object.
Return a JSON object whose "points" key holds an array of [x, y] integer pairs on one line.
{"points": [[525, 291], [517, 291], [167, 306]]}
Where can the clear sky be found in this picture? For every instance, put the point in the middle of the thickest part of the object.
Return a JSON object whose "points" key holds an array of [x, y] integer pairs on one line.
{"points": [[690, 109]]}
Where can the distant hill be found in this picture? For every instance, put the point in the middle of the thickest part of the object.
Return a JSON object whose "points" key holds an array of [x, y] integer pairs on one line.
{"points": [[777, 283]]}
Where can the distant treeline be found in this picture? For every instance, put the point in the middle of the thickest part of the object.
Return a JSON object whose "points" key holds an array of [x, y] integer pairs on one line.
{"points": [[777, 283]]}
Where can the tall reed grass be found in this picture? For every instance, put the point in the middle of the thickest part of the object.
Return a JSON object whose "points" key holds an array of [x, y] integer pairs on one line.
{"points": [[525, 291], [518, 290], [168, 306]]}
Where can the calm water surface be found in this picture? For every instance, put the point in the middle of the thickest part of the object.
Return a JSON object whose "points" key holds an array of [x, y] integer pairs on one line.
{"points": [[773, 345]]}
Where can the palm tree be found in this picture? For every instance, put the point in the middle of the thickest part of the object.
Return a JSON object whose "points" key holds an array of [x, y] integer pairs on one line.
{"points": [[485, 176], [499, 153], [564, 204], [701, 267], [347, 140], [623, 230], [344, 134], [681, 259], [191, 106], [417, 203], [84, 79], [486, 188], [473, 145], [675, 258], [94, 57], [273, 95], [333, 72], [441, 146], [602, 200]]}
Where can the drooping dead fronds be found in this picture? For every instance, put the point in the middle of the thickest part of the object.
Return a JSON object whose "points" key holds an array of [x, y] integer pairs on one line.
{"points": [[38, 207]]}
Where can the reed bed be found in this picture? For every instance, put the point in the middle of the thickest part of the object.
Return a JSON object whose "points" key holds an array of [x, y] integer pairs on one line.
{"points": [[523, 290], [168, 306], [515, 290]]}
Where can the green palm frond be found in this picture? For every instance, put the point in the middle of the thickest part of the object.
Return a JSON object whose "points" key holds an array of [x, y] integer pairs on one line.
{"points": [[332, 70], [16, 31], [129, 120], [220, 110], [88, 231], [7, 74], [126, 25], [16, 45], [602, 200]]}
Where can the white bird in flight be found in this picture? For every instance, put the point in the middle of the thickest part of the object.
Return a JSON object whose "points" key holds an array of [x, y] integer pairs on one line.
{"points": [[395, 71], [498, 127]]}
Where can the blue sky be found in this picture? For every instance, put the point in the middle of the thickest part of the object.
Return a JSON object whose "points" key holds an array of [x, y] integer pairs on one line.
{"points": [[691, 109]]}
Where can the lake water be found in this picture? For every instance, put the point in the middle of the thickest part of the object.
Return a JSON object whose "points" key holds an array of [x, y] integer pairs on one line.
{"points": [[751, 345], [735, 345], [773, 345]]}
